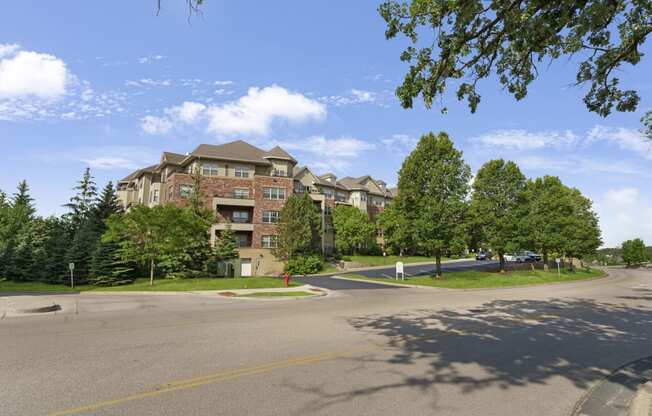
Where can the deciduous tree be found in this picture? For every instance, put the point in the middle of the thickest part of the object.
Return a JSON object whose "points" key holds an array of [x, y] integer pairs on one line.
{"points": [[634, 252], [299, 228], [494, 205], [353, 230], [509, 39], [433, 185]]}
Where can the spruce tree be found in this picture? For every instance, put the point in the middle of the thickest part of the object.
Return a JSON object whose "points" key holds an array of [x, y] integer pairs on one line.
{"points": [[108, 268], [226, 247], [82, 202]]}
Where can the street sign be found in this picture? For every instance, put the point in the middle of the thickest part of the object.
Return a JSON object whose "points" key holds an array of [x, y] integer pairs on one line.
{"points": [[399, 270], [71, 266], [557, 260]]}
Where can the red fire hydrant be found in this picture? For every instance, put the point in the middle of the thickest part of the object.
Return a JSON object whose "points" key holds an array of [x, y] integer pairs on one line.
{"points": [[286, 279]]}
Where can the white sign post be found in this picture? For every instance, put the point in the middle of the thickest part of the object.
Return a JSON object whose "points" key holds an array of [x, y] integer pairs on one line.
{"points": [[71, 266], [399, 270], [558, 261]]}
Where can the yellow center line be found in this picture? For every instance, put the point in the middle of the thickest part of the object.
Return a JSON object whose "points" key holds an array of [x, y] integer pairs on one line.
{"points": [[213, 378]]}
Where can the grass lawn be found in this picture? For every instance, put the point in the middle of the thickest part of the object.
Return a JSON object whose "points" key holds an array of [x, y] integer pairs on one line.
{"points": [[477, 279], [277, 294], [160, 285]]}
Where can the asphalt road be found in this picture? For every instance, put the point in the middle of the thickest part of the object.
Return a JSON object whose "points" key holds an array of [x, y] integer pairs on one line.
{"points": [[429, 269], [521, 351]]}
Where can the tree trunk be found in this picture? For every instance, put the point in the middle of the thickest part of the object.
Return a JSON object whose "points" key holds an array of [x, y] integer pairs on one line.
{"points": [[438, 274], [545, 260], [151, 271], [570, 265], [501, 257]]}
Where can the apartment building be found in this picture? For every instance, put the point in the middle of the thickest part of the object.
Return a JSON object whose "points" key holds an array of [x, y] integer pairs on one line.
{"points": [[247, 187]]}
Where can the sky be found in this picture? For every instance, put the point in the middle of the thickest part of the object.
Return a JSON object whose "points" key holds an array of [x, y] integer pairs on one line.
{"points": [[110, 85]]}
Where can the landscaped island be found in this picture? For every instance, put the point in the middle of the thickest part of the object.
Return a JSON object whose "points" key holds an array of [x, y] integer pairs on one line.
{"points": [[478, 280]]}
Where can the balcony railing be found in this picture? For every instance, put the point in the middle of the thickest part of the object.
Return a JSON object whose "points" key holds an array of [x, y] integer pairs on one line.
{"points": [[233, 195]]}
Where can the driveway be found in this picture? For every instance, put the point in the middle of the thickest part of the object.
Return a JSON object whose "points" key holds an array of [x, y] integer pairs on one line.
{"points": [[429, 269], [532, 351]]}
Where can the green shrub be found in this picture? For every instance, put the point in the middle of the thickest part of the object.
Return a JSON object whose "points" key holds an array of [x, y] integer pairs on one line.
{"points": [[304, 265]]}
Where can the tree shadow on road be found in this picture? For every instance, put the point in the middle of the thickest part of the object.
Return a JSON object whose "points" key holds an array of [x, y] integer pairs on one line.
{"points": [[514, 343]]}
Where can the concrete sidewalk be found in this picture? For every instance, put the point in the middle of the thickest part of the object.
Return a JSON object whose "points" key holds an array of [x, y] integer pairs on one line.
{"points": [[642, 403]]}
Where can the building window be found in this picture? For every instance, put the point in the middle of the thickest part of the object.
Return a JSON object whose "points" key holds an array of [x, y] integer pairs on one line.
{"points": [[327, 210], [241, 172], [270, 241], [340, 196], [241, 193], [271, 217], [279, 172], [185, 191], [242, 240], [240, 216], [363, 197], [154, 197], [209, 169], [274, 193], [328, 193]]}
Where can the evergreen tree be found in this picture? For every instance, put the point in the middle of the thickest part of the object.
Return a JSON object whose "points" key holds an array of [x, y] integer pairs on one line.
{"points": [[108, 267], [17, 258], [432, 186], [82, 202], [299, 228], [107, 204], [226, 247], [494, 206]]}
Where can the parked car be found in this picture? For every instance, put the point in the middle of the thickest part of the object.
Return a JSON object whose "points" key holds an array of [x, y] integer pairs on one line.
{"points": [[533, 256], [518, 257], [483, 255]]}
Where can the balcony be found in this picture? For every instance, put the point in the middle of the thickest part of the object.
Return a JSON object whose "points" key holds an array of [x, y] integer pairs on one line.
{"points": [[234, 225], [234, 199]]}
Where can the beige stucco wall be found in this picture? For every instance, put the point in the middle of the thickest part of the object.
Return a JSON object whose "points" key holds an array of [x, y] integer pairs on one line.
{"points": [[263, 262]]}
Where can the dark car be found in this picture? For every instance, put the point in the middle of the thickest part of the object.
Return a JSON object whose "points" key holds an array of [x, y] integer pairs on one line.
{"points": [[533, 256], [483, 255]]}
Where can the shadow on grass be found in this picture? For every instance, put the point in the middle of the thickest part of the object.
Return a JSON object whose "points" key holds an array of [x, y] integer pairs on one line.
{"points": [[515, 343]]}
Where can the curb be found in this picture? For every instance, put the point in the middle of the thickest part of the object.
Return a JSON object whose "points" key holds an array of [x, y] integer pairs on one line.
{"points": [[642, 403], [363, 269], [389, 283]]}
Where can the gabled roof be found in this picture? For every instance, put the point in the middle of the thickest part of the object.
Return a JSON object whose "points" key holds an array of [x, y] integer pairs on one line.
{"points": [[238, 150], [172, 158], [138, 173], [352, 184], [278, 153]]}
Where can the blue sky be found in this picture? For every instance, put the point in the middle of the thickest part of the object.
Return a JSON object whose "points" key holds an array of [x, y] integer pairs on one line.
{"points": [[109, 85]]}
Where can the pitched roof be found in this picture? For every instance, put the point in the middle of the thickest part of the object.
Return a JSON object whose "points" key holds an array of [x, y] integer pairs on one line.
{"points": [[137, 173], [278, 153], [238, 150], [352, 184], [172, 158]]}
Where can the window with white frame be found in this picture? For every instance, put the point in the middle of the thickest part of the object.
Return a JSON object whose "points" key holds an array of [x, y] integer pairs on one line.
{"points": [[241, 172], [241, 193], [209, 169], [270, 241], [154, 197], [271, 217], [185, 191], [274, 193], [328, 193]]}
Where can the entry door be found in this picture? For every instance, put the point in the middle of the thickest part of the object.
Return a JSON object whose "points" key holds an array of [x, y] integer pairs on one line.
{"points": [[245, 268]]}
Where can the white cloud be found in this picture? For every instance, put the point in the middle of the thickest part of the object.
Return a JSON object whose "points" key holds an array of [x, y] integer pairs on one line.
{"points": [[339, 147], [155, 125], [189, 112], [7, 49], [32, 74], [362, 96], [148, 82], [581, 164], [400, 144], [624, 214], [223, 91], [622, 197], [525, 140], [354, 96], [223, 83], [110, 163], [103, 157], [627, 139], [150, 59], [255, 112]]}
